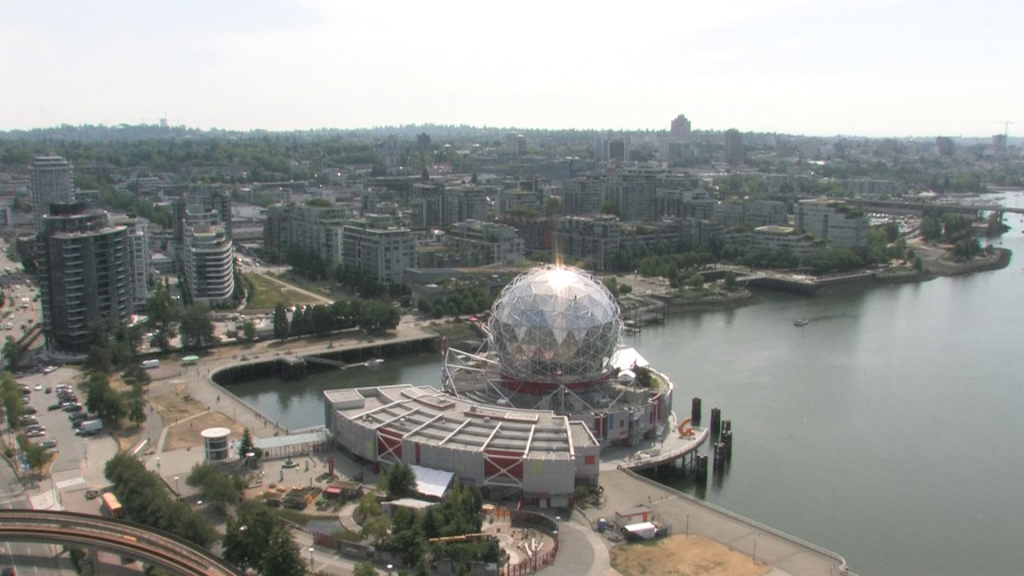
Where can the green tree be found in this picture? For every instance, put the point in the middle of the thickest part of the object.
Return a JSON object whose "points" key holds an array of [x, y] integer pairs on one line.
{"points": [[197, 327], [221, 490], [135, 374], [695, 281], [35, 455], [281, 557], [249, 330], [135, 405], [163, 317], [96, 390], [246, 446], [365, 569], [280, 322], [12, 352], [253, 539], [730, 280], [400, 481]]}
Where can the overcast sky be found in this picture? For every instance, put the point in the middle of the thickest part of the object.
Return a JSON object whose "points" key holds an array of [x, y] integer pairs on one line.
{"points": [[856, 67]]}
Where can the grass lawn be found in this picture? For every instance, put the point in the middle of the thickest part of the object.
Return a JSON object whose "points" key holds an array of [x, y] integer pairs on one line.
{"points": [[267, 294]]}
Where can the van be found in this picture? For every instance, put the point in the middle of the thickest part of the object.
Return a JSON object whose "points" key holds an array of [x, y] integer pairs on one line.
{"points": [[150, 364]]}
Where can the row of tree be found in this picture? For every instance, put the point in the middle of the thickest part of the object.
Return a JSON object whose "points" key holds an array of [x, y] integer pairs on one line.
{"points": [[372, 316], [460, 299], [147, 501]]}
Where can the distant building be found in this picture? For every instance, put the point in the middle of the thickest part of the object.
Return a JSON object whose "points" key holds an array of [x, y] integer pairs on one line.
{"points": [[839, 224], [314, 229], [515, 144], [753, 213], [501, 243], [680, 129], [772, 238], [85, 273], [427, 205], [582, 196], [138, 247], [593, 240], [871, 187], [468, 203], [382, 253], [616, 150], [50, 181], [733, 149]]}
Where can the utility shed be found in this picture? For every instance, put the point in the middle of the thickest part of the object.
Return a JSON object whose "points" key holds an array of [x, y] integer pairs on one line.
{"points": [[632, 515], [430, 482]]}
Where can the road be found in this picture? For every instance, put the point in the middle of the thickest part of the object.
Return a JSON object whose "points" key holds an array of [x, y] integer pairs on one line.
{"points": [[16, 288], [26, 558]]}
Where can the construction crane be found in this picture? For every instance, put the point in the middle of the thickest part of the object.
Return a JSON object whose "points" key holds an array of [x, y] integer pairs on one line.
{"points": [[1006, 126]]}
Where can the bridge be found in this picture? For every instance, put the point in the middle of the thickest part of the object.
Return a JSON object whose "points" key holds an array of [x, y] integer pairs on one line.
{"points": [[174, 554], [904, 207]]}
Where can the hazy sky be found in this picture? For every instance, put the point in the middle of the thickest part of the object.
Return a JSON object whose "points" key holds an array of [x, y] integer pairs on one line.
{"points": [[871, 67]]}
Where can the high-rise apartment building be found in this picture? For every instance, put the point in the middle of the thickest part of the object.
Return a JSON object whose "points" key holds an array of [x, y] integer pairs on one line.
{"points": [[138, 247], [382, 253], [208, 258], [85, 274], [733, 153], [50, 180], [680, 129]]}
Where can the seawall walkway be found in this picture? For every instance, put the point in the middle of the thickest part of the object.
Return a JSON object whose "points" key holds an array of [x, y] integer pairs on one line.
{"points": [[624, 489]]}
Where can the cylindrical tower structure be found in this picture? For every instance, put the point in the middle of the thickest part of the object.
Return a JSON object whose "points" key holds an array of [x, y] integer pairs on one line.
{"points": [[215, 441]]}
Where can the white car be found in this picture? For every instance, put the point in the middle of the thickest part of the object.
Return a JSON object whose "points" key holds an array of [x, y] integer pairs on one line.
{"points": [[39, 386], [49, 369]]}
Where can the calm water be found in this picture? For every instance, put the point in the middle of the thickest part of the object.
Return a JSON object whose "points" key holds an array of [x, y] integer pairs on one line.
{"points": [[889, 429]]}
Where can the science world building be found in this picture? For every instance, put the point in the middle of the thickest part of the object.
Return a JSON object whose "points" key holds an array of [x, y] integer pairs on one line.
{"points": [[532, 410]]}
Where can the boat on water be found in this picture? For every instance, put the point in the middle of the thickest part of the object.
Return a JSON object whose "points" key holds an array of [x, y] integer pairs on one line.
{"points": [[374, 362], [801, 322]]}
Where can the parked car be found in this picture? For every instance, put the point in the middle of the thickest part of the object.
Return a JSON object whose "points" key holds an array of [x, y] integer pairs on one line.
{"points": [[30, 410], [53, 407], [92, 494], [78, 416], [49, 369], [35, 434], [28, 420], [39, 386], [84, 433], [73, 408], [48, 443], [48, 389]]}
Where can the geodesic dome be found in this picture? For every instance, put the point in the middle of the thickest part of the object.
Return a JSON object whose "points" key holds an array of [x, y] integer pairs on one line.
{"points": [[554, 323]]}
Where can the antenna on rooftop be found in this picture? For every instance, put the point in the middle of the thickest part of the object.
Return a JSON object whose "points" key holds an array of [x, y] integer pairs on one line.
{"points": [[1006, 126]]}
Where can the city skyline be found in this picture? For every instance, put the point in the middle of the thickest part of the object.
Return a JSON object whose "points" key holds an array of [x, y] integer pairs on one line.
{"points": [[875, 68]]}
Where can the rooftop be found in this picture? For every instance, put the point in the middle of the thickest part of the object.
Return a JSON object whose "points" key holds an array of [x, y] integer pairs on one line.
{"points": [[430, 416]]}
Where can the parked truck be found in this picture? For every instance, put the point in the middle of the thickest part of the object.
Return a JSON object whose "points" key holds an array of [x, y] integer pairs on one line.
{"points": [[90, 427]]}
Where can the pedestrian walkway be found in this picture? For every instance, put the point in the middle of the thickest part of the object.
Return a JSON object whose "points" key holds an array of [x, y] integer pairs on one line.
{"points": [[69, 483]]}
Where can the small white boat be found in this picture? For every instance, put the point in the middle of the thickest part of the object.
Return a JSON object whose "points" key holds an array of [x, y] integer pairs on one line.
{"points": [[801, 322], [374, 362]]}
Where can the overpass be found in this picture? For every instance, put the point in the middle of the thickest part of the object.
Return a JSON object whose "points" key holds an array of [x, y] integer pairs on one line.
{"points": [[174, 554]]}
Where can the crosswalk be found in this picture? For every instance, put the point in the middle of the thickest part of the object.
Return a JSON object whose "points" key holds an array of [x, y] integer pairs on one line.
{"points": [[69, 483]]}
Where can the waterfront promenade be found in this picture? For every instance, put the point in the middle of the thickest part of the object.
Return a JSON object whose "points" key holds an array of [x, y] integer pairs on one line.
{"points": [[785, 554]]}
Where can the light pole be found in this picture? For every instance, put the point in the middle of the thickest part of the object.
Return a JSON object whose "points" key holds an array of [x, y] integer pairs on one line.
{"points": [[389, 569], [176, 485], [753, 555], [158, 464], [310, 558]]}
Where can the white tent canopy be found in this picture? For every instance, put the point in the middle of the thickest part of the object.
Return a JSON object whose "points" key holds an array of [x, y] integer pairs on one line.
{"points": [[431, 482]]}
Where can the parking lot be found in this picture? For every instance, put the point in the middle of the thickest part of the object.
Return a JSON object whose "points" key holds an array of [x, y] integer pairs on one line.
{"points": [[71, 449]]}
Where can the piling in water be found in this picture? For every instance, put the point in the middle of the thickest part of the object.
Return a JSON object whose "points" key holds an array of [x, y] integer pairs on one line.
{"points": [[695, 411], [716, 421]]}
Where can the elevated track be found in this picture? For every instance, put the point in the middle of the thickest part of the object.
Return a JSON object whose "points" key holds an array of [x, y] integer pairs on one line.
{"points": [[115, 536]]}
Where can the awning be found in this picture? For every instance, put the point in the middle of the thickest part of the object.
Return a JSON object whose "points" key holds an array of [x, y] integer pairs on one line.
{"points": [[431, 482], [332, 490]]}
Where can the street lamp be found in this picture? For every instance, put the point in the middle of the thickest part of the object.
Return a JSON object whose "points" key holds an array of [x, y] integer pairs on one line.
{"points": [[176, 484], [157, 463], [389, 569], [311, 558]]}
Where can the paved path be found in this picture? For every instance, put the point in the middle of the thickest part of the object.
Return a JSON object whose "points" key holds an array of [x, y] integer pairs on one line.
{"points": [[785, 553]]}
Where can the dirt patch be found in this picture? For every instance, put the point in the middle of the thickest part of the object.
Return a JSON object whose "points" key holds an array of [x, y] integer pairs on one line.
{"points": [[683, 556], [175, 404], [186, 434], [129, 437]]}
